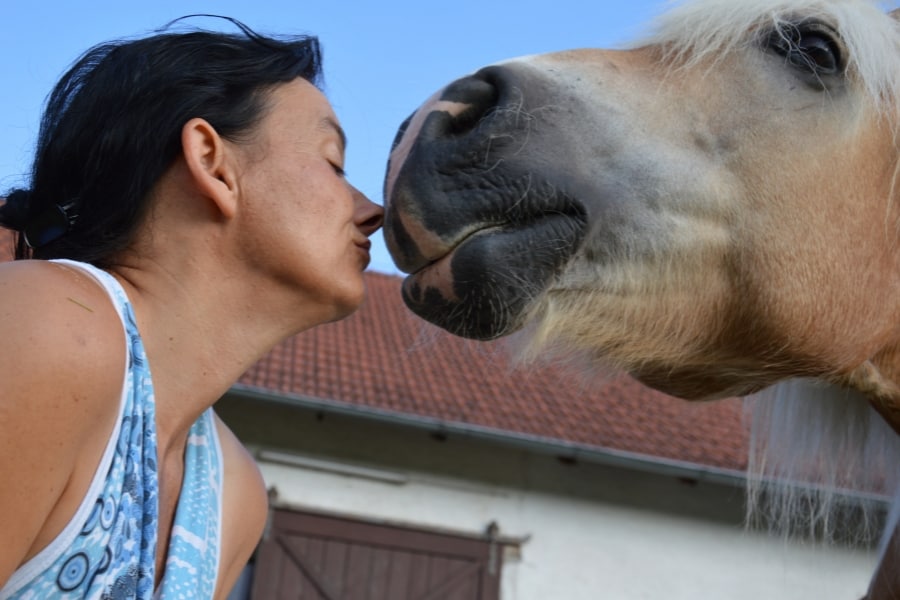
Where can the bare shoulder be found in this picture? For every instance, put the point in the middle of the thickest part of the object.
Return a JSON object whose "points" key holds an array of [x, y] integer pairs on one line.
{"points": [[57, 325], [62, 359], [245, 507]]}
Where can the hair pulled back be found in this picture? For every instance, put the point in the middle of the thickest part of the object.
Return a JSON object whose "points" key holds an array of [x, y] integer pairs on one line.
{"points": [[112, 126]]}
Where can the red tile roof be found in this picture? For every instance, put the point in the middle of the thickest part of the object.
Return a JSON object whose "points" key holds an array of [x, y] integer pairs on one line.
{"points": [[384, 358]]}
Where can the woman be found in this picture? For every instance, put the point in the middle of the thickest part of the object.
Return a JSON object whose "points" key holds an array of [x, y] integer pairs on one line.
{"points": [[187, 210]]}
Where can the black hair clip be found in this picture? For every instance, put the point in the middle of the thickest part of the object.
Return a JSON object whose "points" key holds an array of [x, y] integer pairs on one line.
{"points": [[49, 225]]}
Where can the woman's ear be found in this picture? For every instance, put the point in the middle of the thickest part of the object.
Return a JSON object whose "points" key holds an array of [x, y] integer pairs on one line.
{"points": [[208, 164]]}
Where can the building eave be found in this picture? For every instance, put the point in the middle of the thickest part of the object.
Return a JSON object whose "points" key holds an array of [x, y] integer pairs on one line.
{"points": [[556, 448]]}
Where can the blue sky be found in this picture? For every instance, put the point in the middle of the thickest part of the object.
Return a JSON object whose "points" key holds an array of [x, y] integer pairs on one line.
{"points": [[381, 58]]}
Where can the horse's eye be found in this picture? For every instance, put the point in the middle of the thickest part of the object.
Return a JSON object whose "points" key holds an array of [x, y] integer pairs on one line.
{"points": [[812, 47]]}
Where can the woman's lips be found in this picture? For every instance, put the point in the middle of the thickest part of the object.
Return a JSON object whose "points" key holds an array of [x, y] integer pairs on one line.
{"points": [[364, 248]]}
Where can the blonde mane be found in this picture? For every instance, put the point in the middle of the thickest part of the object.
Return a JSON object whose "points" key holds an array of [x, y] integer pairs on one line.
{"points": [[819, 455], [705, 30]]}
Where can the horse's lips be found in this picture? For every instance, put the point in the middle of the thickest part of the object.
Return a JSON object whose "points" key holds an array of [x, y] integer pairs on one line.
{"points": [[442, 259], [437, 273], [515, 242], [452, 247]]}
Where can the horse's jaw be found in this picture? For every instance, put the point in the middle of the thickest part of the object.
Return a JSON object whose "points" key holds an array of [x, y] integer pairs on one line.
{"points": [[876, 379]]}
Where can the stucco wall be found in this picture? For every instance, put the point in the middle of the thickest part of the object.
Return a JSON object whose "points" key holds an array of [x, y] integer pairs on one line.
{"points": [[593, 531]]}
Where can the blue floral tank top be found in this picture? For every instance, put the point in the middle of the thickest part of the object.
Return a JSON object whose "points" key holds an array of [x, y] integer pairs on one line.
{"points": [[108, 550]]}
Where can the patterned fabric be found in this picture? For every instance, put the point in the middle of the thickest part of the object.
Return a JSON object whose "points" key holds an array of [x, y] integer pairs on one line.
{"points": [[192, 564], [107, 551]]}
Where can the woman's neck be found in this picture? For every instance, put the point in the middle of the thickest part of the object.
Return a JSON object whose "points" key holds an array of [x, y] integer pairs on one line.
{"points": [[202, 332]]}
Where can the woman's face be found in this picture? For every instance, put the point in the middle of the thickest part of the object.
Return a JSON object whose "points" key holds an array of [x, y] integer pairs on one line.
{"points": [[302, 221]]}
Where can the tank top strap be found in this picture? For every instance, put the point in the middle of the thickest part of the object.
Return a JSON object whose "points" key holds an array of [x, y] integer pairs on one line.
{"points": [[192, 563], [107, 282]]}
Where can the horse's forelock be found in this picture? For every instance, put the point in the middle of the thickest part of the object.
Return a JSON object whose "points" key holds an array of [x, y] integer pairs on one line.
{"points": [[701, 30]]}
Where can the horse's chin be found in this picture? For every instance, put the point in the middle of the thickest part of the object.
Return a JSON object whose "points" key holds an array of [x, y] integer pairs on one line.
{"points": [[703, 383], [483, 286]]}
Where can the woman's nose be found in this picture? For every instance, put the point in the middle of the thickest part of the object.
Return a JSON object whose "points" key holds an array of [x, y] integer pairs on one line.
{"points": [[368, 216]]}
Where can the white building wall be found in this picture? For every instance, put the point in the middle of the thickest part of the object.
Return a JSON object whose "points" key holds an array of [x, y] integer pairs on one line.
{"points": [[591, 551], [593, 532]]}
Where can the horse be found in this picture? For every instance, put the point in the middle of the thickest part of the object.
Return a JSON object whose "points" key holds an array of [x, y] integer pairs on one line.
{"points": [[714, 209]]}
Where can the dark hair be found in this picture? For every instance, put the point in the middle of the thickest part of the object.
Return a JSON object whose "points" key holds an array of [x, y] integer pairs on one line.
{"points": [[112, 127]]}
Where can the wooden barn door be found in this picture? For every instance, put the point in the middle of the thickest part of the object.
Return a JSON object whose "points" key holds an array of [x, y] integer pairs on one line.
{"points": [[314, 557]]}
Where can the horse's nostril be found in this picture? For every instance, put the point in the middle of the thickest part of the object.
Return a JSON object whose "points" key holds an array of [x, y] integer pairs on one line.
{"points": [[461, 107], [475, 90], [473, 98]]}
